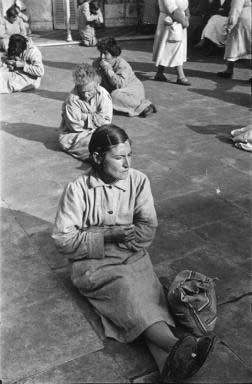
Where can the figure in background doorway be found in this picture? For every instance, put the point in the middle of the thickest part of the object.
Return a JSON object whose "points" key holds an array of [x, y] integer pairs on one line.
{"points": [[9, 25], [127, 91], [22, 68], [170, 43], [87, 107], [89, 18]]}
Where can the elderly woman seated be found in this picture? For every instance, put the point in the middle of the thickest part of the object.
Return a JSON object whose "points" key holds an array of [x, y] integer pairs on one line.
{"points": [[87, 107], [118, 78], [22, 68], [9, 25], [105, 222]]}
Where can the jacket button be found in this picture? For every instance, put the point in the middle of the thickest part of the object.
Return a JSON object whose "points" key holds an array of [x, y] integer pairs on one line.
{"points": [[110, 186], [110, 212]]}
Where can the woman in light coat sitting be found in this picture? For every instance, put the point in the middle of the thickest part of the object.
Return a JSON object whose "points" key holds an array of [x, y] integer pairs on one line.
{"points": [[105, 222], [22, 68], [126, 90], [87, 107]]}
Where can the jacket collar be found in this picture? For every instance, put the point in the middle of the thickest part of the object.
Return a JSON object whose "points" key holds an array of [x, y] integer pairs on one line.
{"points": [[94, 182]]}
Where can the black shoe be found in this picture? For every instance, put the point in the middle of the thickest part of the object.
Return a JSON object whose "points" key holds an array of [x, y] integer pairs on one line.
{"points": [[183, 81], [225, 75], [160, 77], [186, 358], [148, 110]]}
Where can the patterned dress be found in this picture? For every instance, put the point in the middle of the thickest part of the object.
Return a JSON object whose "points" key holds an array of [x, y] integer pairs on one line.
{"points": [[117, 279], [81, 118]]}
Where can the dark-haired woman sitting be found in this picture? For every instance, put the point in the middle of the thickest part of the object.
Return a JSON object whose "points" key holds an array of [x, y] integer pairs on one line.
{"points": [[22, 68], [127, 91], [105, 222]]}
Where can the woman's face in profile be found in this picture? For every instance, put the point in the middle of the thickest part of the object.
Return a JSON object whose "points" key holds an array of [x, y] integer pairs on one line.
{"points": [[116, 162], [12, 19]]}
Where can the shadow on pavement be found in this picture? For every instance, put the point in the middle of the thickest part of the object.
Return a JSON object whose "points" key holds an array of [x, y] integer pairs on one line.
{"points": [[54, 95], [33, 132], [60, 64], [221, 131], [239, 98]]}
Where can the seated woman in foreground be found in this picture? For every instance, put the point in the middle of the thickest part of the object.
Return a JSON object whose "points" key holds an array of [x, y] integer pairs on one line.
{"points": [[87, 107], [127, 91], [9, 25], [22, 68], [105, 222]]}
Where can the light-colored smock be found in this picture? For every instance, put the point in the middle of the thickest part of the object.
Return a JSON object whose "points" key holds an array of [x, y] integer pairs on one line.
{"points": [[86, 24], [23, 79], [169, 53], [117, 279], [81, 118], [238, 45], [215, 30], [127, 91], [7, 29]]}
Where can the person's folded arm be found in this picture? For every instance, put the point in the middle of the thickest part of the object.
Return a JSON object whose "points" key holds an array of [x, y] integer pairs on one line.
{"points": [[145, 219], [35, 65], [103, 114], [74, 118], [69, 236], [116, 79], [88, 16], [3, 32]]}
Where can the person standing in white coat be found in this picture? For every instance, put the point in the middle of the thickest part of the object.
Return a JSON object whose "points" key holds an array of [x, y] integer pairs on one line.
{"points": [[170, 43]]}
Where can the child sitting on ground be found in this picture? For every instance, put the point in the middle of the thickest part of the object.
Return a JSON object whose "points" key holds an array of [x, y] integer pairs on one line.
{"points": [[89, 17]]}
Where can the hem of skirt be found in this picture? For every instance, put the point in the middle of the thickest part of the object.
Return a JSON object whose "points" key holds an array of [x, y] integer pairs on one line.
{"points": [[246, 56], [134, 334], [170, 65], [133, 113]]}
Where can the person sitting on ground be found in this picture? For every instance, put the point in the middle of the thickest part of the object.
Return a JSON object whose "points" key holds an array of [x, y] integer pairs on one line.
{"points": [[89, 17], [105, 222], [214, 34], [238, 44], [242, 138], [127, 91], [9, 25], [170, 42], [87, 107], [22, 13], [22, 67]]}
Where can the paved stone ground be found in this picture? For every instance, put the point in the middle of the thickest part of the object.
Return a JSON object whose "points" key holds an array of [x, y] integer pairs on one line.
{"points": [[201, 185]]}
